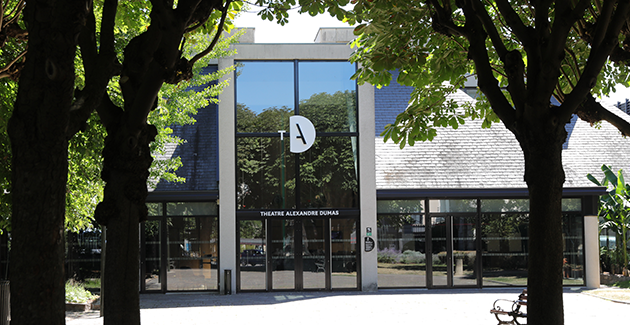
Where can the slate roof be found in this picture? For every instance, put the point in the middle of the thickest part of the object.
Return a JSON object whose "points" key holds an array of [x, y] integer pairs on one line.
{"points": [[475, 158], [199, 152]]}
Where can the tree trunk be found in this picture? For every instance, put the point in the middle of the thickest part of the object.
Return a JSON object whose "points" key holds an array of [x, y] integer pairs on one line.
{"points": [[542, 147], [37, 130], [126, 167]]}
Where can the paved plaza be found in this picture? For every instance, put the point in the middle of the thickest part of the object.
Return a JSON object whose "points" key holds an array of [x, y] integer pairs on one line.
{"points": [[455, 306]]}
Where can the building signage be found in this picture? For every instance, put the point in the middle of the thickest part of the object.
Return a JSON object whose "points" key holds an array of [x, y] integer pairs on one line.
{"points": [[369, 244], [299, 213], [302, 133]]}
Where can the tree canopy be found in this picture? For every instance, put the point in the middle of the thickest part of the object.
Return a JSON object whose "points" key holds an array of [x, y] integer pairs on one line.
{"points": [[95, 68], [522, 53]]}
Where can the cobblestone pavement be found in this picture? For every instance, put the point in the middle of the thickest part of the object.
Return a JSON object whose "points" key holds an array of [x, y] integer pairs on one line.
{"points": [[453, 306]]}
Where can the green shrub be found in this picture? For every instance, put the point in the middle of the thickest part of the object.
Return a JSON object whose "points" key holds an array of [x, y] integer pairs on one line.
{"points": [[413, 257], [622, 284], [76, 293]]}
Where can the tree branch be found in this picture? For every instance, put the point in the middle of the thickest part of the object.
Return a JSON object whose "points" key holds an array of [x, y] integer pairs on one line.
{"points": [[602, 22], [216, 36], [442, 22], [12, 69], [513, 20], [592, 111], [596, 60], [99, 69], [487, 83], [490, 28]]}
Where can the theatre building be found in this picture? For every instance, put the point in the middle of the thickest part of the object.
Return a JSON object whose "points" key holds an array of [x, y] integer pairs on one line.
{"points": [[290, 187]]}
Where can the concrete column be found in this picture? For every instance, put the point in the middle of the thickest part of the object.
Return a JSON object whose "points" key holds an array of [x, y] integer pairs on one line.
{"points": [[591, 251], [367, 183], [227, 179]]}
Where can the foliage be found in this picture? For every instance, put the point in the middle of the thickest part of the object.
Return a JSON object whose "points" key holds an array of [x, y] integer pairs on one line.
{"points": [[622, 284], [614, 209], [178, 104], [388, 255], [76, 292], [327, 172], [412, 257]]}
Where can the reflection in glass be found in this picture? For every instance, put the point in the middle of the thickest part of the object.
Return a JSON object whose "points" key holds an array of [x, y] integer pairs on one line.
{"points": [[191, 209], [313, 254], [344, 253], [155, 209], [505, 205], [464, 251], [401, 251], [152, 261], [463, 205], [439, 251], [265, 174], [253, 254], [504, 249], [400, 206], [328, 95], [281, 233], [192, 253], [573, 261], [328, 174], [263, 88], [572, 204]]}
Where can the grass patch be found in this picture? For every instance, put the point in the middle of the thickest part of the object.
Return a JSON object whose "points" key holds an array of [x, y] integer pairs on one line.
{"points": [[614, 294], [76, 293], [395, 268]]}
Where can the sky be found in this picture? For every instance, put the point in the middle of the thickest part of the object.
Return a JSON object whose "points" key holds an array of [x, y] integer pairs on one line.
{"points": [[302, 28]]}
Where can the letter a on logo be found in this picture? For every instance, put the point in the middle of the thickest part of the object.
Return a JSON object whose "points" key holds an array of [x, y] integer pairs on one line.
{"points": [[302, 133]]}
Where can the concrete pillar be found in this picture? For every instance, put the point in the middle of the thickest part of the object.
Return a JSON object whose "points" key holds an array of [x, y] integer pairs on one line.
{"points": [[367, 183], [227, 180], [591, 251]]}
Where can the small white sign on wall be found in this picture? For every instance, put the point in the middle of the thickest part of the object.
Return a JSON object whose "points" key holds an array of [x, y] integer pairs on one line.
{"points": [[302, 133]]}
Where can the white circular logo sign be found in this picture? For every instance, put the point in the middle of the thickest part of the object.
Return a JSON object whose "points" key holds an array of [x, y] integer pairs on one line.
{"points": [[302, 133]]}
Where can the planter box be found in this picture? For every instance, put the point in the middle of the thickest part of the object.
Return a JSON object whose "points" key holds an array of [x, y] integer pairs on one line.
{"points": [[86, 306]]}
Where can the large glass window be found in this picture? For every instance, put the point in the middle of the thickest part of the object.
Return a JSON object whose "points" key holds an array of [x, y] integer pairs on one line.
{"points": [[343, 237], [401, 243], [269, 176], [253, 255], [265, 174], [328, 174], [192, 253], [327, 95], [265, 95], [401, 250], [504, 249]]}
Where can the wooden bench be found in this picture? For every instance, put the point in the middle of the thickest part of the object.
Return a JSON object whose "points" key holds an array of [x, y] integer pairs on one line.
{"points": [[503, 309]]}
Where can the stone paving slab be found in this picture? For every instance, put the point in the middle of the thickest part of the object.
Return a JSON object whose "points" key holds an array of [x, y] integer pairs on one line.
{"points": [[453, 306]]}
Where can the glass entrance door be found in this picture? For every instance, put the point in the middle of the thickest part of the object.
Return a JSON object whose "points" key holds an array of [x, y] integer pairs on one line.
{"points": [[454, 249], [298, 253], [282, 250], [151, 257]]}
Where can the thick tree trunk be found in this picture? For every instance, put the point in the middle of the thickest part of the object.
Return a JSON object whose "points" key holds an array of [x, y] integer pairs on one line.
{"points": [[39, 146], [127, 159], [544, 175]]}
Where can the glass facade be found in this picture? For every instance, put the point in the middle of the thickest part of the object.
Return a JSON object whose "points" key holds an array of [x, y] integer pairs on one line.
{"points": [[269, 176], [179, 248], [401, 244], [463, 248], [288, 253]]}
